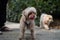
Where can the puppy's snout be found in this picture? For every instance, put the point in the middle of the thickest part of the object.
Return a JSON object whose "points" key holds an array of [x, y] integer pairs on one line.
{"points": [[33, 15]]}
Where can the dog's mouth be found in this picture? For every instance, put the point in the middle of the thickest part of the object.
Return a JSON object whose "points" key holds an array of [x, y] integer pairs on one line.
{"points": [[46, 23], [32, 18]]}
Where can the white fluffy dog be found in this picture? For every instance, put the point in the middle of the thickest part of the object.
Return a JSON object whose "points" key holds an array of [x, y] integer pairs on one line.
{"points": [[45, 20]]}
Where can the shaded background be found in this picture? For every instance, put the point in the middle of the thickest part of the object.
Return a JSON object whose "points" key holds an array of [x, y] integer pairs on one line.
{"points": [[15, 7]]}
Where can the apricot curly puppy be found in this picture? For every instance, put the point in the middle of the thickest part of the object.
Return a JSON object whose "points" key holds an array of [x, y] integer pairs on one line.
{"points": [[27, 21]]}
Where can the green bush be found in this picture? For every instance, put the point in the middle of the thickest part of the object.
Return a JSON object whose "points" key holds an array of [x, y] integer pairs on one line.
{"points": [[15, 8]]}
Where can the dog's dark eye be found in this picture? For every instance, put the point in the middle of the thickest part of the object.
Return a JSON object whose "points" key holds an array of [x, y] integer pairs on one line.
{"points": [[31, 13], [49, 18]]}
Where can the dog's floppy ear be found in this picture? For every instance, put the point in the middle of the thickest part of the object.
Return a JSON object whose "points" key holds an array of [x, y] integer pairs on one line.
{"points": [[23, 12]]}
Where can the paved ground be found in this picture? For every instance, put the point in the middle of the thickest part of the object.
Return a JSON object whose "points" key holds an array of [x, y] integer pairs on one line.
{"points": [[40, 34]]}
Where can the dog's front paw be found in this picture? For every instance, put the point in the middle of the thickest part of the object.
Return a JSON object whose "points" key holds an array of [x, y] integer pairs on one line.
{"points": [[20, 38], [33, 38]]}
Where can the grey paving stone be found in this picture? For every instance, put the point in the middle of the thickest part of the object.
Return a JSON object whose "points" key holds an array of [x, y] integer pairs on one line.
{"points": [[40, 34]]}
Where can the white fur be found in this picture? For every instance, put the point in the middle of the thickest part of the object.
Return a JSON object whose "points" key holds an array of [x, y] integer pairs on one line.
{"points": [[44, 18]]}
